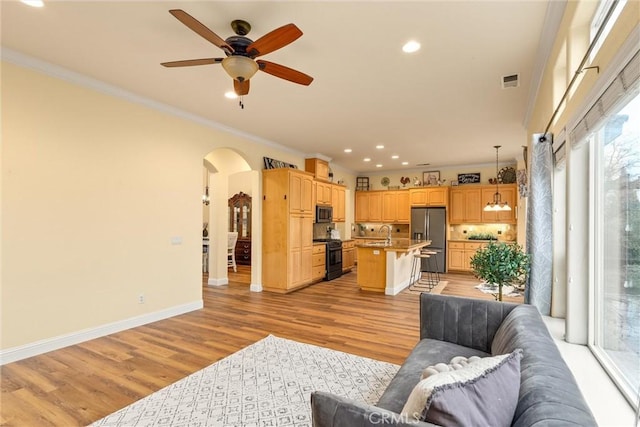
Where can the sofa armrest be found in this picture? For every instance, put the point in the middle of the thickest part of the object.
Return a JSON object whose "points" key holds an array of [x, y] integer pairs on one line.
{"points": [[329, 410], [464, 321]]}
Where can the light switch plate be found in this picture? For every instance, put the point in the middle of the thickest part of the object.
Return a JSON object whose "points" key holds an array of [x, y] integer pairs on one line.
{"points": [[176, 240]]}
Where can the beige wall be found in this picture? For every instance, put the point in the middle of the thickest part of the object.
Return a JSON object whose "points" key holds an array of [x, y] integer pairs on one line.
{"points": [[570, 45], [94, 190]]}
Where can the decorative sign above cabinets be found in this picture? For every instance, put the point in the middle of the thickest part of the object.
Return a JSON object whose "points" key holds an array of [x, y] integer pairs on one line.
{"points": [[468, 178], [270, 163]]}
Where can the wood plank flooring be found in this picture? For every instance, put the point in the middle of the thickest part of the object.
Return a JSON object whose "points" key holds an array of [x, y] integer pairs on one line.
{"points": [[83, 383]]}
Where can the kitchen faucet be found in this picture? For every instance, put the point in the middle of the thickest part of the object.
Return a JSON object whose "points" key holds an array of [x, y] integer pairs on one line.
{"points": [[388, 227]]}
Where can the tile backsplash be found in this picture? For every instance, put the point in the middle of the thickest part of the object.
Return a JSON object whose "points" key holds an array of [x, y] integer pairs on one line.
{"points": [[506, 232], [398, 231]]}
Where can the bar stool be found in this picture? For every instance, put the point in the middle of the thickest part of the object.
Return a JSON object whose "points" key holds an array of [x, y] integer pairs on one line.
{"points": [[433, 261], [416, 270]]}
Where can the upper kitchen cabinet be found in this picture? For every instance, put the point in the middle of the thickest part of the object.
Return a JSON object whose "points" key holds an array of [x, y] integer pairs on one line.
{"points": [[508, 193], [318, 167], [383, 206], [369, 206], [435, 196], [338, 202], [465, 205], [395, 206], [323, 193], [300, 191]]}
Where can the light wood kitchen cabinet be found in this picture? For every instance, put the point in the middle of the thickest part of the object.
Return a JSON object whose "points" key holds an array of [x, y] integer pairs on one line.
{"points": [[460, 253], [395, 206], [435, 196], [348, 255], [508, 193], [323, 193], [369, 206], [318, 167], [300, 192], [338, 202], [465, 205], [383, 206], [287, 227], [319, 262]]}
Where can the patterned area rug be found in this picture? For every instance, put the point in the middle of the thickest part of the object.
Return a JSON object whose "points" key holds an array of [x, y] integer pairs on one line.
{"points": [[268, 383]]}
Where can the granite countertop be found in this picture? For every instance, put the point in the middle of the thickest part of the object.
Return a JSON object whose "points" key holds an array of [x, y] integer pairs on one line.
{"points": [[397, 245]]}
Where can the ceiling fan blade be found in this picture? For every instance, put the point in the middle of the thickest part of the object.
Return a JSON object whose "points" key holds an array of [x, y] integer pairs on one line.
{"points": [[241, 88], [280, 37], [200, 29], [191, 62], [284, 72]]}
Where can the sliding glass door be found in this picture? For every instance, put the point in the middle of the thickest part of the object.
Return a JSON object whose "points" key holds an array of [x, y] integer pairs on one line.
{"points": [[616, 243]]}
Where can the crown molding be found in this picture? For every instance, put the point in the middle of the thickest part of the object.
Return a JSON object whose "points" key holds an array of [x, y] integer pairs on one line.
{"points": [[26, 61]]}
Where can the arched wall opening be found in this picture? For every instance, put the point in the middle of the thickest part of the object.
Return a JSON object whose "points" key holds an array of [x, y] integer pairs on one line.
{"points": [[228, 171]]}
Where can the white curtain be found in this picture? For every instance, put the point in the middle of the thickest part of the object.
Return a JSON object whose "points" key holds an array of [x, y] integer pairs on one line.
{"points": [[540, 223]]}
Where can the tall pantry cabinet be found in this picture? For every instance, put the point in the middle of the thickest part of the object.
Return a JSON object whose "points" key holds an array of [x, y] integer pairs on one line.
{"points": [[287, 229]]}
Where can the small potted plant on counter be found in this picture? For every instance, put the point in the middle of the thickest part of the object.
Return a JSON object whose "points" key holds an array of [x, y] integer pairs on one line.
{"points": [[500, 264]]}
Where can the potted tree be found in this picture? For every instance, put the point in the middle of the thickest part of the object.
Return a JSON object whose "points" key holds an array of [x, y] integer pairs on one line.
{"points": [[500, 264]]}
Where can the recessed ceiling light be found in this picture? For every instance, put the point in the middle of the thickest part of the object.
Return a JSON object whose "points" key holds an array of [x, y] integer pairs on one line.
{"points": [[367, 159], [348, 150], [33, 3], [405, 163], [395, 156], [378, 165], [379, 147], [231, 95], [411, 46]]}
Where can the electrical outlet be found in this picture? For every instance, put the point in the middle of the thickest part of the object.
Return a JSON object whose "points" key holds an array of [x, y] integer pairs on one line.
{"points": [[141, 299]]}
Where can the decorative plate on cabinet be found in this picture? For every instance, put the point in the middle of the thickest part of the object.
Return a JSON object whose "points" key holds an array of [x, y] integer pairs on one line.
{"points": [[385, 181], [507, 175]]}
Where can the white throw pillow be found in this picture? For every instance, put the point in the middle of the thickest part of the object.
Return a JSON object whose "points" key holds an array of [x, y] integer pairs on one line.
{"points": [[484, 392], [457, 362]]}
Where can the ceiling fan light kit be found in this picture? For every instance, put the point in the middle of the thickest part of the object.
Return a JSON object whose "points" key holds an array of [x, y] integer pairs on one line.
{"points": [[240, 68], [241, 52]]}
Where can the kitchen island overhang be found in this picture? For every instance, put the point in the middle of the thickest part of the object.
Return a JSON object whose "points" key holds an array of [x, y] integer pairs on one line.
{"points": [[386, 267]]}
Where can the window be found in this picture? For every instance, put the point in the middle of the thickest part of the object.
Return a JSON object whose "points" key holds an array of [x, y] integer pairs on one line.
{"points": [[598, 19], [616, 275]]}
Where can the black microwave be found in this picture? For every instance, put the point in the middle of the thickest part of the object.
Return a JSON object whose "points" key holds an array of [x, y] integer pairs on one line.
{"points": [[324, 214]]}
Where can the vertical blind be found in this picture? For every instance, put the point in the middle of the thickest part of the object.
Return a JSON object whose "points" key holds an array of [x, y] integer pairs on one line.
{"points": [[626, 83]]}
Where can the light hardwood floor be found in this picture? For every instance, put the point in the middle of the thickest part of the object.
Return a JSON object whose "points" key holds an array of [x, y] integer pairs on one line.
{"points": [[83, 383]]}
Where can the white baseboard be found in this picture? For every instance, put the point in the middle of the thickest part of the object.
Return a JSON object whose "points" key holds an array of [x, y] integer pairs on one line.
{"points": [[218, 282], [43, 346], [399, 288], [255, 287]]}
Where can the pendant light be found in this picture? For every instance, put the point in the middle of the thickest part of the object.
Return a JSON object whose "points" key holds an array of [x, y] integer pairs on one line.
{"points": [[497, 205]]}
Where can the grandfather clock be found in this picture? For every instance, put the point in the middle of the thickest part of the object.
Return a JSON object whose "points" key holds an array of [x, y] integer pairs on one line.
{"points": [[240, 221]]}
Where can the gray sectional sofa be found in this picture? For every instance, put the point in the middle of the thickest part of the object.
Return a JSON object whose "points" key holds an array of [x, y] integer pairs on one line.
{"points": [[453, 326]]}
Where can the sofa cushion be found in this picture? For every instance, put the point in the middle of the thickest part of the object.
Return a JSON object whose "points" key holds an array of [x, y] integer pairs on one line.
{"points": [[427, 352], [482, 393], [330, 410], [548, 390]]}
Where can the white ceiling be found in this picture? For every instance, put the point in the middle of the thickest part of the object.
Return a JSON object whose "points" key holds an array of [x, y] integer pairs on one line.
{"points": [[443, 105]]}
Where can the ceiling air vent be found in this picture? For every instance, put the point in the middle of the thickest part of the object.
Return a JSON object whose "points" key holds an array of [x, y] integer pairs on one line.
{"points": [[510, 81]]}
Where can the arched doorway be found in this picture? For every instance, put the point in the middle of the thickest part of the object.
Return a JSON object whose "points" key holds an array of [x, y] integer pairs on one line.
{"points": [[228, 171]]}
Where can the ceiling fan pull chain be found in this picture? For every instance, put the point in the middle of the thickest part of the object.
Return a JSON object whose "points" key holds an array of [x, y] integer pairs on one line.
{"points": [[240, 103]]}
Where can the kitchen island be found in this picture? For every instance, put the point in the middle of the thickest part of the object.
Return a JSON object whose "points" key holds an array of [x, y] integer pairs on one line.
{"points": [[386, 267]]}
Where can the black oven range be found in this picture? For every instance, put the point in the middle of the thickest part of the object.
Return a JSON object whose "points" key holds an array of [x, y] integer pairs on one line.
{"points": [[333, 258]]}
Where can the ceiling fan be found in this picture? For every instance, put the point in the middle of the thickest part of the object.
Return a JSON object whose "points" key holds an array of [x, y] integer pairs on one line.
{"points": [[241, 52]]}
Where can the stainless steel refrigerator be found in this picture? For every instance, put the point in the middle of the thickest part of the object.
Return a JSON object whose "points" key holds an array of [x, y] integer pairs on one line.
{"points": [[431, 224]]}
